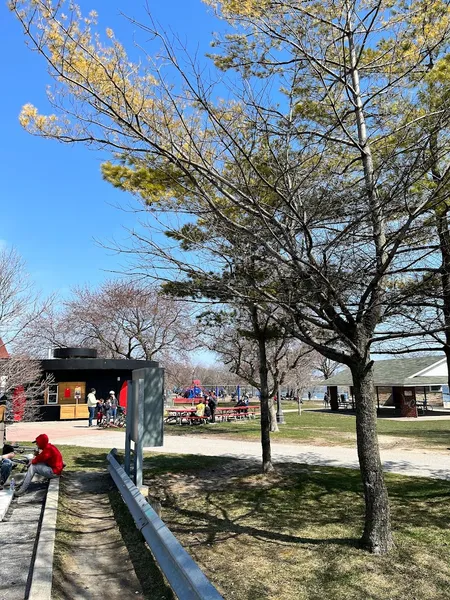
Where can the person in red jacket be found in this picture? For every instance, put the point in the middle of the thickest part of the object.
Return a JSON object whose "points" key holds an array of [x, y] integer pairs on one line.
{"points": [[48, 462]]}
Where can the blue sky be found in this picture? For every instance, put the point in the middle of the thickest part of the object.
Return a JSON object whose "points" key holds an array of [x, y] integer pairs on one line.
{"points": [[53, 202]]}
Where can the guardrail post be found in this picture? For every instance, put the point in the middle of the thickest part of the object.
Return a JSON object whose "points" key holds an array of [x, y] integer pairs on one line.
{"points": [[127, 463]]}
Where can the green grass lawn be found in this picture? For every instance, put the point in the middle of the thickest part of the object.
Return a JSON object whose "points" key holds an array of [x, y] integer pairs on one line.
{"points": [[317, 427], [293, 534]]}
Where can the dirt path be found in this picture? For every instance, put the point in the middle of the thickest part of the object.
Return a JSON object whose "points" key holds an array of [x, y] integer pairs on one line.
{"points": [[92, 561]]}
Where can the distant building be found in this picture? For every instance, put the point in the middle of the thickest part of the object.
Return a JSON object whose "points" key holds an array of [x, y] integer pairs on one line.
{"points": [[407, 384]]}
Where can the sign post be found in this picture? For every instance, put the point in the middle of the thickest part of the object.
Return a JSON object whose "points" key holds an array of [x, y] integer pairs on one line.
{"points": [[145, 409]]}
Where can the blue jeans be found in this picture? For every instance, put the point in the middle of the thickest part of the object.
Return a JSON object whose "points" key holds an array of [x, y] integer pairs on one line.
{"points": [[91, 410], [5, 470], [41, 469], [113, 413]]}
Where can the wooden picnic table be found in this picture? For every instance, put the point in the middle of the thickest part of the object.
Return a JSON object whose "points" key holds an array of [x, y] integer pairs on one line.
{"points": [[238, 412], [422, 407], [176, 415], [186, 414], [349, 404]]}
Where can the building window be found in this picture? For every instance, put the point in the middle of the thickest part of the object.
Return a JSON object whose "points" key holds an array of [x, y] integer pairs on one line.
{"points": [[52, 393], [435, 388]]}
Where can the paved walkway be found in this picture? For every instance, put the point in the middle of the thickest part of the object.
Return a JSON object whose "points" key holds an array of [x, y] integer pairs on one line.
{"points": [[406, 462], [18, 534]]}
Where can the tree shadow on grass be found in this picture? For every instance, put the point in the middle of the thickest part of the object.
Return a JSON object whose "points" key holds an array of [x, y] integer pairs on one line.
{"points": [[181, 463], [419, 502], [224, 527], [269, 509], [92, 461], [262, 507]]}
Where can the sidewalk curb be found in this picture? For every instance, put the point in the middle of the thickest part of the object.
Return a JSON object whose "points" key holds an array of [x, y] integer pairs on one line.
{"points": [[42, 569]]}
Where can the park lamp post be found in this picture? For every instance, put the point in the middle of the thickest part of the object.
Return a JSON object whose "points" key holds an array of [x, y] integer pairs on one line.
{"points": [[280, 415]]}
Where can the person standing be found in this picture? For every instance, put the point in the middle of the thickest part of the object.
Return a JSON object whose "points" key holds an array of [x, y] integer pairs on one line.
{"points": [[107, 411], [6, 464], [212, 403], [48, 462], [99, 409], [114, 404], [91, 404]]}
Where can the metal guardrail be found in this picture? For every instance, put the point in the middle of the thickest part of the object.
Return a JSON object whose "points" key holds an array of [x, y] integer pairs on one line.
{"points": [[185, 577]]}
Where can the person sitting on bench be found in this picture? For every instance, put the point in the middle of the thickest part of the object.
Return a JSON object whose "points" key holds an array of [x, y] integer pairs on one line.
{"points": [[200, 412], [6, 464], [48, 462]]}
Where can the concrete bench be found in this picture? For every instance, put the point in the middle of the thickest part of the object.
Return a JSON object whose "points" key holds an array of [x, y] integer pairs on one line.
{"points": [[6, 496]]}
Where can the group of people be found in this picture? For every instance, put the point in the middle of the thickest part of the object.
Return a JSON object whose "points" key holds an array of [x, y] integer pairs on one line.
{"points": [[207, 408], [243, 400], [101, 408], [47, 461]]}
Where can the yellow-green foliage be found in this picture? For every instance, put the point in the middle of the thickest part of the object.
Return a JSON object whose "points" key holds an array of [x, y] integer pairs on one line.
{"points": [[88, 67], [241, 8], [150, 183]]}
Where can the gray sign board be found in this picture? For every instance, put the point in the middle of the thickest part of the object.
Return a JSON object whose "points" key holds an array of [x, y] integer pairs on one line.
{"points": [[147, 407]]}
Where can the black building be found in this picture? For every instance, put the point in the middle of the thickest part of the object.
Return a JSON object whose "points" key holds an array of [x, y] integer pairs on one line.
{"points": [[75, 371]]}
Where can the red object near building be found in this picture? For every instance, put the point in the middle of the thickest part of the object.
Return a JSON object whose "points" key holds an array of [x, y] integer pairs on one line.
{"points": [[123, 395], [18, 403]]}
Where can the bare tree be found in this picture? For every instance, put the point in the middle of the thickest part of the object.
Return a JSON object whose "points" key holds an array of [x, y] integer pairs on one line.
{"points": [[325, 366], [21, 382], [181, 373], [232, 337], [18, 302], [22, 385], [302, 376], [122, 319]]}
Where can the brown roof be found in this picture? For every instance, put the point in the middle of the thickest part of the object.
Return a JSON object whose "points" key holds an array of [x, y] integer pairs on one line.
{"points": [[3, 351]]}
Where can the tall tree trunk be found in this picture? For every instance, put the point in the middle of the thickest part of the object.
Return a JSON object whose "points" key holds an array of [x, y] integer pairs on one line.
{"points": [[273, 411], [441, 218], [273, 416], [377, 536], [444, 246], [264, 391]]}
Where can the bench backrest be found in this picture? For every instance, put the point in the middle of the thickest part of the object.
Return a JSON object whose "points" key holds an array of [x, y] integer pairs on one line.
{"points": [[184, 400]]}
